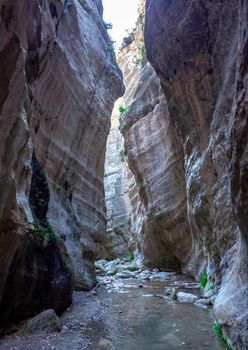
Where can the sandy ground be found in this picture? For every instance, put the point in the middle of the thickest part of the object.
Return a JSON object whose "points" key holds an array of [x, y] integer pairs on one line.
{"points": [[83, 327]]}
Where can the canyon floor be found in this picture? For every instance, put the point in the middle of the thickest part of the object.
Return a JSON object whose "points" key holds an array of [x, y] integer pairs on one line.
{"points": [[128, 311]]}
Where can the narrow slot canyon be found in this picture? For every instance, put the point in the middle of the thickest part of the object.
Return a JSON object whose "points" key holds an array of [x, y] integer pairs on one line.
{"points": [[123, 176]]}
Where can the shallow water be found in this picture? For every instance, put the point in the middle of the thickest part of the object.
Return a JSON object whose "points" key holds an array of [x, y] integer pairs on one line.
{"points": [[138, 320]]}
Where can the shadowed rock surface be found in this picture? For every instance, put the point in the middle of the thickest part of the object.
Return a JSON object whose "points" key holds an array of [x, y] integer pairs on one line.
{"points": [[59, 81], [158, 222], [199, 50], [185, 136]]}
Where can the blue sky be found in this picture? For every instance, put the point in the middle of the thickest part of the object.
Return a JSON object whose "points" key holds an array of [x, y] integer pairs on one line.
{"points": [[122, 14]]}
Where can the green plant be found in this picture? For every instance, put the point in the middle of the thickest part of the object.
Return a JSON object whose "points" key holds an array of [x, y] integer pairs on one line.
{"points": [[40, 233], [142, 50], [122, 109], [108, 240], [138, 62], [23, 329], [110, 46], [204, 279], [218, 330], [51, 234], [131, 256], [112, 199], [123, 155]]}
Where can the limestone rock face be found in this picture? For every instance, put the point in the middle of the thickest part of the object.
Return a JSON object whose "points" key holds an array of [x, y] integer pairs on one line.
{"points": [[158, 222], [155, 158], [59, 81], [120, 185], [199, 51], [116, 185]]}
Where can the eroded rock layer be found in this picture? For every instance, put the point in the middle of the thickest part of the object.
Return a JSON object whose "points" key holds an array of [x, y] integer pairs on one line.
{"points": [[199, 51], [158, 222], [116, 185], [59, 81], [118, 177]]}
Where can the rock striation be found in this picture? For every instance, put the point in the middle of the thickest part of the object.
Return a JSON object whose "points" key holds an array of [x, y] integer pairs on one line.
{"points": [[199, 52], [116, 186], [118, 177], [158, 222], [185, 136], [59, 81]]}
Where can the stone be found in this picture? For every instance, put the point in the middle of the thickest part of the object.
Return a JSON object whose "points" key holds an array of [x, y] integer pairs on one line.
{"points": [[102, 262], [203, 303], [160, 275], [125, 274], [171, 292], [99, 267], [46, 321], [112, 267], [186, 297], [131, 267]]}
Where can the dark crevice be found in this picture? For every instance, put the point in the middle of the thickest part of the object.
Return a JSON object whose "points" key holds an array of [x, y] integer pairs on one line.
{"points": [[39, 193], [8, 59], [7, 15]]}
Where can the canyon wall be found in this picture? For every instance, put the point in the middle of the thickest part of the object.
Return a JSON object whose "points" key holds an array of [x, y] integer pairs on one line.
{"points": [[199, 50], [59, 81], [158, 225], [116, 185], [185, 136], [120, 185]]}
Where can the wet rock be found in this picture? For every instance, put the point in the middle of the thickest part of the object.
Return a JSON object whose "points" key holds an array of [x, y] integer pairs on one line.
{"points": [[47, 321], [99, 267], [160, 275], [112, 267], [131, 267], [203, 303], [102, 262], [171, 292], [125, 274], [186, 297]]}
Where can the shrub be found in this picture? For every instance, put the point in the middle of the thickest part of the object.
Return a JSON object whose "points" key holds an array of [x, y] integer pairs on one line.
{"points": [[110, 47], [219, 333], [40, 233], [123, 155], [122, 109], [142, 51], [131, 256], [204, 279]]}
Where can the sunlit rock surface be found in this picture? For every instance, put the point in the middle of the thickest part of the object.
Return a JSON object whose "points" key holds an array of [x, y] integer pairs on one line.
{"points": [[59, 81], [117, 198], [163, 236], [120, 185], [158, 224]]}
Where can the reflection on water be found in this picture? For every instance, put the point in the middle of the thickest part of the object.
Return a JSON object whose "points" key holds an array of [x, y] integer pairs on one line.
{"points": [[138, 320]]}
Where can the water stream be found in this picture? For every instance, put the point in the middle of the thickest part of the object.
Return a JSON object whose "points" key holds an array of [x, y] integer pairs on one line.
{"points": [[142, 319]]}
